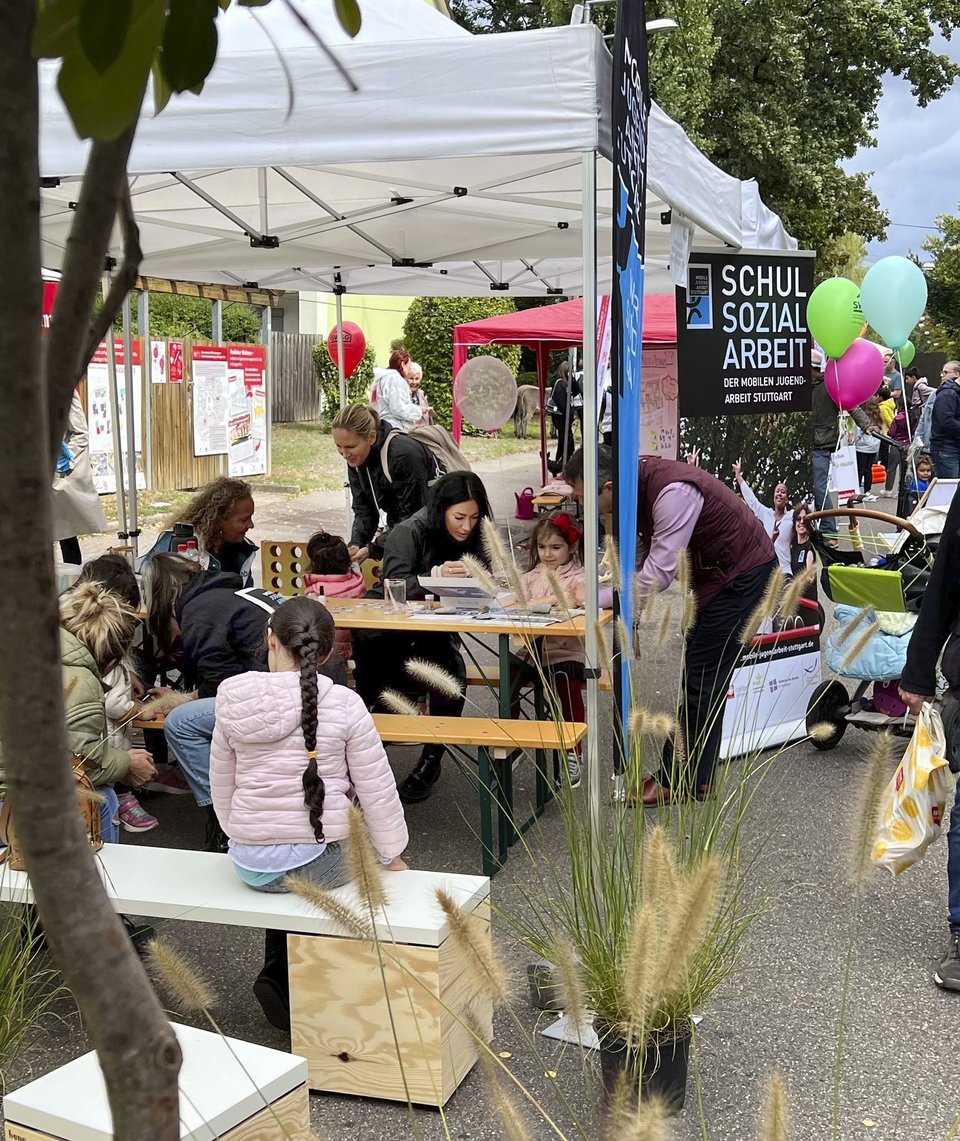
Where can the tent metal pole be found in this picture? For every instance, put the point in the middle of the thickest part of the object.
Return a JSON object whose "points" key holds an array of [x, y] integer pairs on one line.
{"points": [[266, 338], [591, 529], [216, 328], [342, 379], [113, 394], [143, 331], [130, 402], [543, 361]]}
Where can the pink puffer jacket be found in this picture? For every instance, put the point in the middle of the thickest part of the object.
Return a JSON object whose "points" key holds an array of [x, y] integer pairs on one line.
{"points": [[258, 756]]}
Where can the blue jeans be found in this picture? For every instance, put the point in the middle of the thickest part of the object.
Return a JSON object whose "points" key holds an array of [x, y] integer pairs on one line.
{"points": [[329, 869], [946, 460], [822, 500], [109, 821], [189, 731]]}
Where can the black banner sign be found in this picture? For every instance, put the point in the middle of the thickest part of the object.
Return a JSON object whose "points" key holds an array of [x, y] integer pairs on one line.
{"points": [[743, 346]]}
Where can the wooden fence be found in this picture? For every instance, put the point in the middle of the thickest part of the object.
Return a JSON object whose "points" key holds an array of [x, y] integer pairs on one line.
{"points": [[295, 393]]}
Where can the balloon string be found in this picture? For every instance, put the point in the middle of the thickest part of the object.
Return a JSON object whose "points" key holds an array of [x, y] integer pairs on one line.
{"points": [[911, 456]]}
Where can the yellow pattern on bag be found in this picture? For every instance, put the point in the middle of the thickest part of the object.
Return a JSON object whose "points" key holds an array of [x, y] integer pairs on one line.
{"points": [[915, 799]]}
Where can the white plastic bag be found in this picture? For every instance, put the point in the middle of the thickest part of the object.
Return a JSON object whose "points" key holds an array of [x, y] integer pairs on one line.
{"points": [[915, 799]]}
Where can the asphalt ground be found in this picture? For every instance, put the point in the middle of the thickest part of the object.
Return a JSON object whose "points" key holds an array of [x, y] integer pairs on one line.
{"points": [[899, 1075]]}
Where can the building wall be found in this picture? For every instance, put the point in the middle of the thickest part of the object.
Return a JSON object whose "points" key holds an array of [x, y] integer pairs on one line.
{"points": [[380, 318]]}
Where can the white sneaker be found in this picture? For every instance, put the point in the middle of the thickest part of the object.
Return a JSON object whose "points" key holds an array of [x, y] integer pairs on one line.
{"points": [[573, 769]]}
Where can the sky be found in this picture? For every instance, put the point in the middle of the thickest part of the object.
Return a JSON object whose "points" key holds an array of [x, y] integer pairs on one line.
{"points": [[916, 162]]}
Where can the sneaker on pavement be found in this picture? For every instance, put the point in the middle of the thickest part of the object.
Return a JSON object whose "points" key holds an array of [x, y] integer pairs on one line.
{"points": [[133, 817], [947, 975], [169, 780], [573, 769]]}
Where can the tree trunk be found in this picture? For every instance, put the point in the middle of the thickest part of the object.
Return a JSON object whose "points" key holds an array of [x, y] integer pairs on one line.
{"points": [[137, 1048]]}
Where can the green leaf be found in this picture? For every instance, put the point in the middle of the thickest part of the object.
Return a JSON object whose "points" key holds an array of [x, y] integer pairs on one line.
{"points": [[103, 105], [103, 30], [161, 89], [348, 13], [189, 45], [57, 28], [253, 3], [223, 5]]}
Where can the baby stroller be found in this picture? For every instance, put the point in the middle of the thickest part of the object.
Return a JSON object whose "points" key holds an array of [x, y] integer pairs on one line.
{"points": [[877, 578]]}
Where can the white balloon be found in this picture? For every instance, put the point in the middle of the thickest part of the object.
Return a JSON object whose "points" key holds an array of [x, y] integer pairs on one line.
{"points": [[485, 391]]}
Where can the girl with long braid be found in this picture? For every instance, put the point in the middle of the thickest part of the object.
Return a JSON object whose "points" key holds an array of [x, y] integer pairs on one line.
{"points": [[281, 794]]}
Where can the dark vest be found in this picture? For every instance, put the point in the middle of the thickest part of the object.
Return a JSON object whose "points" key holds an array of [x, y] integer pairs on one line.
{"points": [[728, 539]]}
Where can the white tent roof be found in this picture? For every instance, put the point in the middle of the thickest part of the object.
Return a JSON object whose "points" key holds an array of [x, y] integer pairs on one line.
{"points": [[455, 167]]}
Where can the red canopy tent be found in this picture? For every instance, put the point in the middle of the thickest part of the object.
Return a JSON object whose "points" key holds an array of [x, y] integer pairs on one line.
{"points": [[548, 329]]}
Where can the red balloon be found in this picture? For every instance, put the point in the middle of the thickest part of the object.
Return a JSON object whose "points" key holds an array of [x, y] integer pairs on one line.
{"points": [[354, 345]]}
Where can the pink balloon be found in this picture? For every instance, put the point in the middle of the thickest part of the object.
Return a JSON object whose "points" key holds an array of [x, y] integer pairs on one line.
{"points": [[855, 376]]}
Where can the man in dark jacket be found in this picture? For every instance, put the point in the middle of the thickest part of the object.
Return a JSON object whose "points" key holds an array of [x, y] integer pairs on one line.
{"points": [[938, 624], [825, 416], [681, 508], [223, 631], [945, 423]]}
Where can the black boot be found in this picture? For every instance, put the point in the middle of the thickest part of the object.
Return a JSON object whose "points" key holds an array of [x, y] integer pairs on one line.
{"points": [[419, 784], [272, 988], [216, 839]]}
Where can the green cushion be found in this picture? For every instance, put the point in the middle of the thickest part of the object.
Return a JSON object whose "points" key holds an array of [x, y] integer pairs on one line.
{"points": [[867, 586]]}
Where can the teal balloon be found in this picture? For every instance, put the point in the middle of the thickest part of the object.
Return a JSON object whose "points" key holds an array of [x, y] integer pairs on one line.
{"points": [[834, 316], [906, 353], [893, 296]]}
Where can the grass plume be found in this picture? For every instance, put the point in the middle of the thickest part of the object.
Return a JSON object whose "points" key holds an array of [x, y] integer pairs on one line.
{"points": [[689, 614], [775, 1122], [796, 588], [854, 622], [611, 561], [637, 721], [867, 816], [162, 705], [661, 880], [684, 572], [624, 640], [323, 900], [640, 968], [689, 921], [476, 569], [175, 975], [397, 703], [569, 978], [822, 731], [559, 591], [434, 677], [365, 868], [662, 726], [496, 552], [606, 661], [859, 645], [469, 934], [764, 609]]}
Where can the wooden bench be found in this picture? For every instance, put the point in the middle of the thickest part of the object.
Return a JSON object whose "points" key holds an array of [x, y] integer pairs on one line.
{"points": [[229, 1089], [340, 1011], [497, 741]]}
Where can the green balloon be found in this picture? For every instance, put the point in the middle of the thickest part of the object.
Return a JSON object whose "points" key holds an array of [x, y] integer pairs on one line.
{"points": [[906, 353], [834, 316]]}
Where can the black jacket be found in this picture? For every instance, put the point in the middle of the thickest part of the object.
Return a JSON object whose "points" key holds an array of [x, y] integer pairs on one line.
{"points": [[939, 614], [413, 548], [945, 420], [825, 416], [223, 630], [412, 468]]}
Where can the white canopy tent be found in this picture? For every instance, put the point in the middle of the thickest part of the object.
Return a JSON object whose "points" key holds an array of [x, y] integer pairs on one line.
{"points": [[455, 169], [463, 164]]}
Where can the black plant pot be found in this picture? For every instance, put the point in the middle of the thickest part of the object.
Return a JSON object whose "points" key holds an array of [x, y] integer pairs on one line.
{"points": [[662, 1067]]}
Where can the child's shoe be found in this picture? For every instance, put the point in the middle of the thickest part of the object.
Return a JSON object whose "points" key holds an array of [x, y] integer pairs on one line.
{"points": [[133, 817]]}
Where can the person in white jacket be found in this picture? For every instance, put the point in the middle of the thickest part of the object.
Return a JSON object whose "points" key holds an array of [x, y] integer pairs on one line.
{"points": [[391, 394], [776, 519], [282, 792]]}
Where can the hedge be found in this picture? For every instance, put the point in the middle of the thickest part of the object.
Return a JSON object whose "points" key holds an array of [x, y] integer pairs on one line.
{"points": [[328, 380]]}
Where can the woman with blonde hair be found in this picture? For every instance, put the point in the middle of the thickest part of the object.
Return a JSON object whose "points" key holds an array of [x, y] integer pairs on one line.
{"points": [[96, 630], [387, 485]]}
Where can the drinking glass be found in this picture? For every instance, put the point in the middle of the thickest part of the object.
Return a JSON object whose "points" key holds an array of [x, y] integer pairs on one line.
{"points": [[395, 592]]}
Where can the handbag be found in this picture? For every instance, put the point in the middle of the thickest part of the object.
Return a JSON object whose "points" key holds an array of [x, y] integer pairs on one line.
{"points": [[88, 804]]}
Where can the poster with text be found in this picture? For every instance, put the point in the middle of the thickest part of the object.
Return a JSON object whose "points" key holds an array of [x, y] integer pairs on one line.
{"points": [[100, 425], [742, 340], [175, 362], [247, 428], [659, 415], [210, 413], [158, 362]]}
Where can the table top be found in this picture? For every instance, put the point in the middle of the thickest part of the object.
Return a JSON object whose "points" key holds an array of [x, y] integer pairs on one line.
{"points": [[172, 883], [374, 614]]}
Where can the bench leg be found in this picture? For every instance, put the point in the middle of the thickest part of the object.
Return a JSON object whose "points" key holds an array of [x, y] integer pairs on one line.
{"points": [[490, 788]]}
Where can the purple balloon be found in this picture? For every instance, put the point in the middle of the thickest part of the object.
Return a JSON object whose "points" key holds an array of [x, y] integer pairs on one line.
{"points": [[855, 376]]}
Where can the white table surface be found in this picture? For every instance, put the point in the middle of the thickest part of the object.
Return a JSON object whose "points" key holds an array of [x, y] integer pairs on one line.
{"points": [[215, 1093], [171, 883]]}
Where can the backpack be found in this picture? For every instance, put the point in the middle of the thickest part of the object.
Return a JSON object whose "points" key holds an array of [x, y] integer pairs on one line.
{"points": [[437, 441]]}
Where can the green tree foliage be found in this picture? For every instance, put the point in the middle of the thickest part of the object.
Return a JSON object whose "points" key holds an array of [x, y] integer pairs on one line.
{"points": [[480, 16], [943, 279], [783, 92], [328, 380], [844, 256], [428, 338], [773, 448], [173, 316]]}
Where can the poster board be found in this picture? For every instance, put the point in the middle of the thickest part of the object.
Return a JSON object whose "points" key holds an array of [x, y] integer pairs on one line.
{"points": [[158, 362], [770, 690], [229, 405], [742, 339], [659, 409], [100, 425]]}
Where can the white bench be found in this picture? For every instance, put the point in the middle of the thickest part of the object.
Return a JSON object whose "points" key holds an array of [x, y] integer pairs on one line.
{"points": [[217, 1098], [340, 1014]]}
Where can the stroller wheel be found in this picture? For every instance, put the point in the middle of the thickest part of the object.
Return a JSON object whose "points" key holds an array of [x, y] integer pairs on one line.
{"points": [[827, 707]]}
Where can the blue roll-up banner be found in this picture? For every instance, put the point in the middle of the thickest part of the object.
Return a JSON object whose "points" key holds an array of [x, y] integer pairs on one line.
{"points": [[631, 110]]}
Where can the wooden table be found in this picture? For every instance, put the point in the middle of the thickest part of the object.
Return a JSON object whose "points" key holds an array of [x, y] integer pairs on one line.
{"points": [[374, 614]]}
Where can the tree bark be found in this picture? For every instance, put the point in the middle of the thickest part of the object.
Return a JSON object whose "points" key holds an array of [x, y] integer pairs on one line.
{"points": [[137, 1048]]}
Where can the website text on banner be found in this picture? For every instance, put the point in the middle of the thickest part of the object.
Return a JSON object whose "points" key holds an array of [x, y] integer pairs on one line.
{"points": [[742, 339], [631, 110]]}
